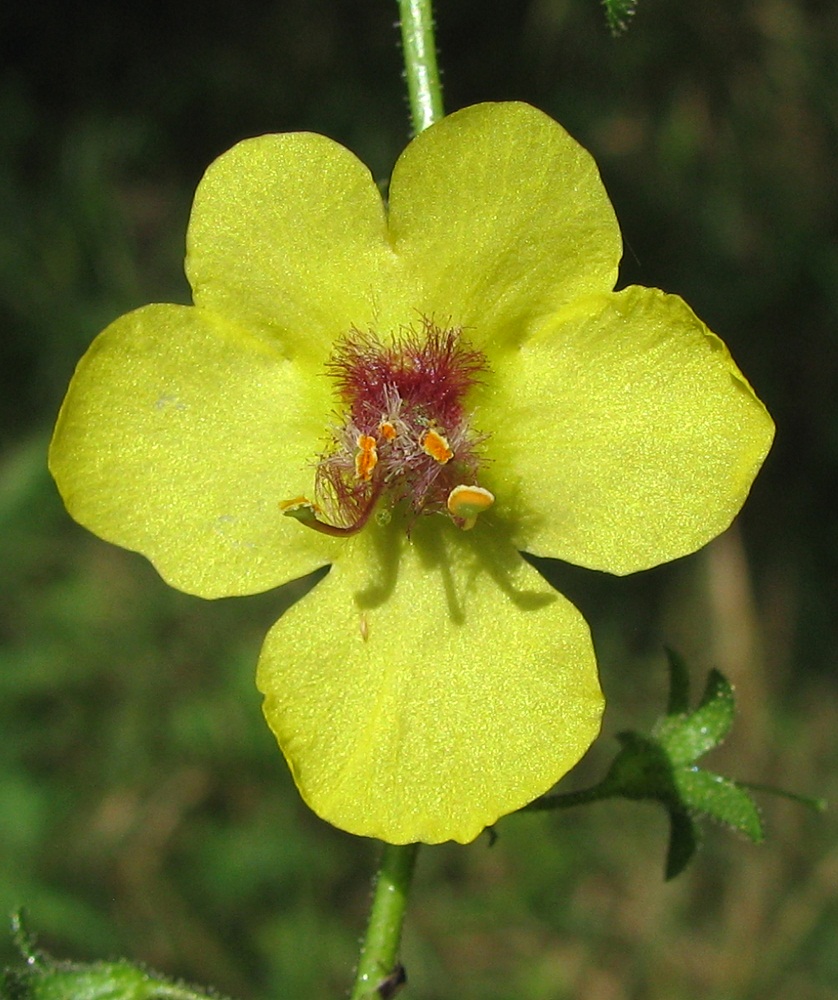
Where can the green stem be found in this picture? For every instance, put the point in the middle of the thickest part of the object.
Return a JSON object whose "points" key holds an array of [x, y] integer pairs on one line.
{"points": [[565, 800], [378, 961], [381, 945], [423, 86]]}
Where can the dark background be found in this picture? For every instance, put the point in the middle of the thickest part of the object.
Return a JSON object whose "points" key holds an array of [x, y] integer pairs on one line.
{"points": [[144, 809]]}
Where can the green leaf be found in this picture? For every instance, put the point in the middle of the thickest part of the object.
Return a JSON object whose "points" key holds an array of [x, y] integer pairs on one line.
{"points": [[679, 684], [618, 13], [813, 802], [721, 799], [98, 981], [683, 842], [641, 770], [660, 767], [41, 977], [687, 737]]}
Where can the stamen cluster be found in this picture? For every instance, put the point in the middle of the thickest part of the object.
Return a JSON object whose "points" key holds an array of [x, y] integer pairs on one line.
{"points": [[404, 436]]}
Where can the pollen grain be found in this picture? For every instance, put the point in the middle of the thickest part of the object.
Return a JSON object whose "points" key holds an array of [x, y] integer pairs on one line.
{"points": [[386, 430], [435, 445], [366, 457]]}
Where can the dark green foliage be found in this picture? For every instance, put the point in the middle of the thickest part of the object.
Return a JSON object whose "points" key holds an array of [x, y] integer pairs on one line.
{"points": [[662, 767], [618, 13], [41, 977]]}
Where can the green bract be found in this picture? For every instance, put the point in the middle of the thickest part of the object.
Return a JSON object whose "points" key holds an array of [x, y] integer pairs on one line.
{"points": [[432, 682]]}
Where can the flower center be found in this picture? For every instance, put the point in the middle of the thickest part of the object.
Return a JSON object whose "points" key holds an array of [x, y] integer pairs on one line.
{"points": [[404, 437]]}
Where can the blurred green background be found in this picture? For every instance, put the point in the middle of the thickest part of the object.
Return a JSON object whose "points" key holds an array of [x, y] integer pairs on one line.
{"points": [[144, 808]]}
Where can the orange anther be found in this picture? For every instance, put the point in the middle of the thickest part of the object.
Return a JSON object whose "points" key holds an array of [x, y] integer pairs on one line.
{"points": [[435, 445], [466, 502], [301, 510], [366, 458], [386, 430]]}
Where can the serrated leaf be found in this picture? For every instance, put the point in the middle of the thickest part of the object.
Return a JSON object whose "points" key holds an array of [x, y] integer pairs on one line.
{"points": [[688, 737], [660, 767], [720, 799], [102, 981], [718, 687]]}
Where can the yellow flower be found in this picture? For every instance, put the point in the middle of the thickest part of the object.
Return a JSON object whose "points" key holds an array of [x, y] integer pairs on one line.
{"points": [[432, 386]]}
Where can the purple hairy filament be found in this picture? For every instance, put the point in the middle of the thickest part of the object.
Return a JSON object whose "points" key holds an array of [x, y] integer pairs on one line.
{"points": [[403, 434]]}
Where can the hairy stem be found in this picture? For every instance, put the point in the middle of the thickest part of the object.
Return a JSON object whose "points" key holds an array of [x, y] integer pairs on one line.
{"points": [[423, 85], [378, 962]]}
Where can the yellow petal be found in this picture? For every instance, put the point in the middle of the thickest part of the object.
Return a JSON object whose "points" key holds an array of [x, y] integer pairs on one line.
{"points": [[288, 235], [179, 437], [428, 686], [496, 216], [624, 435], [505, 217]]}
